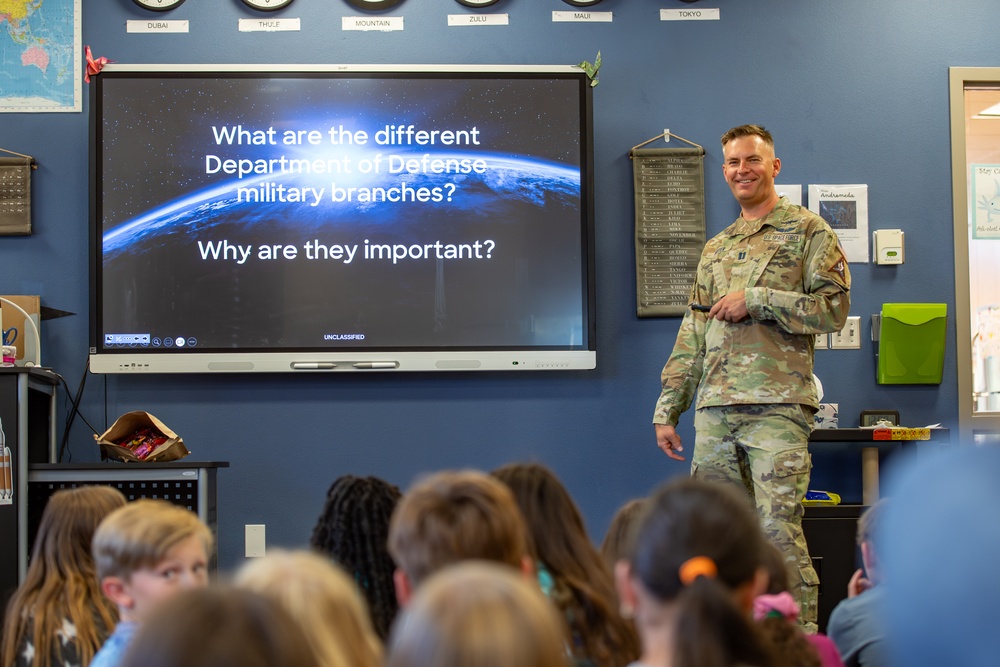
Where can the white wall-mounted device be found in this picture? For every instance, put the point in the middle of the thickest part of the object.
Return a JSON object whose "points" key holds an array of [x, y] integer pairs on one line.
{"points": [[888, 246]]}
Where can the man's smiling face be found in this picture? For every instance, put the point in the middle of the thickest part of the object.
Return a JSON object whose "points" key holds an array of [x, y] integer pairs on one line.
{"points": [[749, 166]]}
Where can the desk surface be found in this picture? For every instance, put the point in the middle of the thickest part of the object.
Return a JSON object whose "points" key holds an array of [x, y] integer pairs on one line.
{"points": [[40, 372], [938, 435], [129, 466]]}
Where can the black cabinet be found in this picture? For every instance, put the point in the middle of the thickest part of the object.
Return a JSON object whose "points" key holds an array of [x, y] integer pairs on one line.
{"points": [[831, 535], [27, 417], [189, 484]]}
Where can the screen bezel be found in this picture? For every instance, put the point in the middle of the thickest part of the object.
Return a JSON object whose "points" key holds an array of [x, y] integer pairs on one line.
{"points": [[141, 360]]}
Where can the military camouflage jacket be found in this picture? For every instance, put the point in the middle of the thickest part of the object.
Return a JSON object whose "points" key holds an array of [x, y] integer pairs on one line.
{"points": [[797, 284]]}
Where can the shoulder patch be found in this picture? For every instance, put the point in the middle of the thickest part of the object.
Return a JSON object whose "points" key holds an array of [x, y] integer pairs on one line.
{"points": [[840, 265]]}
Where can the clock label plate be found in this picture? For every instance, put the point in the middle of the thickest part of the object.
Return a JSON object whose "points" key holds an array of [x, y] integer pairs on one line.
{"points": [[478, 19], [689, 15], [383, 23], [270, 25], [152, 25], [581, 16]]}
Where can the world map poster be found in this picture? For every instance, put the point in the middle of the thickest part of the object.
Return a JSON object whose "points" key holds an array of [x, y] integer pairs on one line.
{"points": [[40, 61]]}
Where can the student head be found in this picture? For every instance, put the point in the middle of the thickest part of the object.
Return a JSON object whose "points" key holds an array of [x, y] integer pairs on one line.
{"points": [[938, 542], [453, 516], [776, 612], [553, 519], [478, 613], [582, 585], [617, 541], [869, 539], [773, 562], [61, 582], [322, 600], [693, 575], [146, 552], [353, 530], [219, 626]]}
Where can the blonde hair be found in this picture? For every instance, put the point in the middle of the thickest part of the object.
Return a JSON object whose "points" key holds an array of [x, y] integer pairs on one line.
{"points": [[453, 516], [322, 600], [478, 614], [61, 582], [141, 533]]}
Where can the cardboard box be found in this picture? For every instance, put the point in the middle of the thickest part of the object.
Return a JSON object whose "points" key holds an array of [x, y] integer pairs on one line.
{"points": [[12, 317]]}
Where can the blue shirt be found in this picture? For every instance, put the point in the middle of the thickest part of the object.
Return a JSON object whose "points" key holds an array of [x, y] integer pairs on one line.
{"points": [[857, 629], [114, 648]]}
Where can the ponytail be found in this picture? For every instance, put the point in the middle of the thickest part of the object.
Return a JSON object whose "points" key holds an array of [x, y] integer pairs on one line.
{"points": [[698, 544], [713, 632]]}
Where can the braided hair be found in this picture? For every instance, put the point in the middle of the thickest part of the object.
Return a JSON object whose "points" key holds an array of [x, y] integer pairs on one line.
{"points": [[353, 530]]}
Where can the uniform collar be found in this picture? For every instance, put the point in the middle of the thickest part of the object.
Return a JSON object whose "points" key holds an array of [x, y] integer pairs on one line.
{"points": [[744, 227]]}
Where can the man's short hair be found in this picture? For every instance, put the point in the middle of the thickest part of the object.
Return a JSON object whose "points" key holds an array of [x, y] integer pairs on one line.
{"points": [[869, 524], [141, 533], [748, 131], [454, 516]]}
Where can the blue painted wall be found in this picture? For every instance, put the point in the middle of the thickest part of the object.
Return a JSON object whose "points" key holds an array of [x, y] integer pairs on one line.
{"points": [[855, 91]]}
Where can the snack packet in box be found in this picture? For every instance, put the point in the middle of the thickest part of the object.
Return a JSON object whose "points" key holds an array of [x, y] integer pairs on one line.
{"points": [[139, 436]]}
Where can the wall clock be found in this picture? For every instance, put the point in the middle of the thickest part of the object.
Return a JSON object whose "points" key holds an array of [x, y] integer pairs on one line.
{"points": [[267, 5], [374, 4], [581, 3], [159, 5], [477, 3]]}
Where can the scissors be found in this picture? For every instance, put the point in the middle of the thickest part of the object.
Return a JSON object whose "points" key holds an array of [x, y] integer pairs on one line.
{"points": [[9, 336]]}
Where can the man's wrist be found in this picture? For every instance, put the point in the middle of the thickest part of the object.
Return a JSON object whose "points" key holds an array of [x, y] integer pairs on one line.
{"points": [[756, 300], [665, 419]]}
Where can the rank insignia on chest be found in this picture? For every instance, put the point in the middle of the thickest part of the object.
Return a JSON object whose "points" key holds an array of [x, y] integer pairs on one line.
{"points": [[742, 255]]}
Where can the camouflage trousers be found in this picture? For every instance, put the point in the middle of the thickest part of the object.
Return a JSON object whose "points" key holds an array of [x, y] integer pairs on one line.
{"points": [[764, 449]]}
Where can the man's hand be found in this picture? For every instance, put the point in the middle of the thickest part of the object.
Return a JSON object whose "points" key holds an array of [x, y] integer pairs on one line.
{"points": [[730, 308], [668, 440], [858, 584]]}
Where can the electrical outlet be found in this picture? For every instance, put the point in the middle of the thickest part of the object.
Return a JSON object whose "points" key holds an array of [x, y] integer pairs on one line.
{"points": [[848, 338], [254, 533], [822, 341]]}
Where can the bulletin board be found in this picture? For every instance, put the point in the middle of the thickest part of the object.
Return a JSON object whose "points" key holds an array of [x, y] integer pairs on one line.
{"points": [[15, 195], [669, 188]]}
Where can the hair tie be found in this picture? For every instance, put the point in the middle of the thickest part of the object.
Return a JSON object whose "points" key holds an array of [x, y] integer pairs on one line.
{"points": [[699, 566], [780, 604]]}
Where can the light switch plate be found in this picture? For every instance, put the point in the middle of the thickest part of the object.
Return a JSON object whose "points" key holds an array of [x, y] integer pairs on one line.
{"points": [[255, 547], [848, 338]]}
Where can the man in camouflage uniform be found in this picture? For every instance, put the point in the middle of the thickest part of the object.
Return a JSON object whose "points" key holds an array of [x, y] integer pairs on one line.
{"points": [[773, 279]]}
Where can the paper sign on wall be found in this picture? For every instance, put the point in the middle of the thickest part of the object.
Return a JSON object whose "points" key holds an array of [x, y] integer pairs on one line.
{"points": [[845, 209], [985, 179], [792, 192]]}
